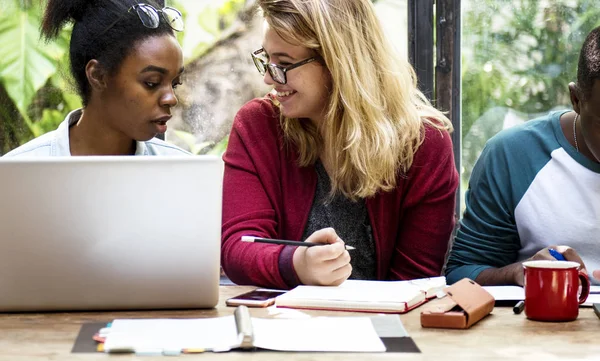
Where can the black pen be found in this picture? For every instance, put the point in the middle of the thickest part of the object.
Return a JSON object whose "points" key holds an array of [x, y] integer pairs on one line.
{"points": [[285, 242], [519, 307]]}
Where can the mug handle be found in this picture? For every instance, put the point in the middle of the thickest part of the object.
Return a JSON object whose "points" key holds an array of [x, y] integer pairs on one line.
{"points": [[585, 286]]}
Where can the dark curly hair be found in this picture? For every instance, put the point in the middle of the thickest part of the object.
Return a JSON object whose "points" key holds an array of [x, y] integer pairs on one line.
{"points": [[90, 38], [588, 69]]}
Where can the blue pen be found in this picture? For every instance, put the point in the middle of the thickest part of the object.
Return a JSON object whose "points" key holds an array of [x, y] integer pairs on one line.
{"points": [[556, 254]]}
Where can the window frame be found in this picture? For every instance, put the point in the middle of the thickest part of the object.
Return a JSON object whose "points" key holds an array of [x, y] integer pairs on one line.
{"points": [[440, 84]]}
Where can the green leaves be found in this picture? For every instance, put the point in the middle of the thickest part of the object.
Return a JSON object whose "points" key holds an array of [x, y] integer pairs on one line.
{"points": [[190, 140], [204, 147], [205, 24], [26, 62]]}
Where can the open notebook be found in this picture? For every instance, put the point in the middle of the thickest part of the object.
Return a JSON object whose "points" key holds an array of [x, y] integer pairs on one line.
{"points": [[364, 296], [220, 334]]}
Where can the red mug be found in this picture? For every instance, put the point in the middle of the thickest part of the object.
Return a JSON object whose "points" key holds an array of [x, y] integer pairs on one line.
{"points": [[552, 290]]}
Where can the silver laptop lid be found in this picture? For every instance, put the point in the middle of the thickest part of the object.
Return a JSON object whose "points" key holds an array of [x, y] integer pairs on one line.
{"points": [[85, 233]]}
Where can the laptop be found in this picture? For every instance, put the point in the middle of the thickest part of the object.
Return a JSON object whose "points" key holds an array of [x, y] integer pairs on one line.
{"points": [[110, 233]]}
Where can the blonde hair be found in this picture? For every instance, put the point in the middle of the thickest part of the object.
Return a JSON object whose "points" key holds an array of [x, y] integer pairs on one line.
{"points": [[376, 114]]}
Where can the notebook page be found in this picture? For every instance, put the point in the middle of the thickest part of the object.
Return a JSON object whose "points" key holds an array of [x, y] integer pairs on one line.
{"points": [[172, 334], [430, 286], [356, 294], [337, 334]]}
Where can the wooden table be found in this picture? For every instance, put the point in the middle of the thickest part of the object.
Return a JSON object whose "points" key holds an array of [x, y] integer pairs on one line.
{"points": [[502, 335]]}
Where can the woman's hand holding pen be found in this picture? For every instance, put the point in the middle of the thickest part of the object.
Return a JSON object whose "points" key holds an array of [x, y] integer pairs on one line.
{"points": [[324, 265]]}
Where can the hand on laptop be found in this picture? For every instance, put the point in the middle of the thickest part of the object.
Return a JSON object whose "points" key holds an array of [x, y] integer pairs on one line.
{"points": [[327, 265]]}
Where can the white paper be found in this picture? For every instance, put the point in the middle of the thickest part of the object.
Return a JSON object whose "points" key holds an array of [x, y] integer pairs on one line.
{"points": [[172, 334], [594, 296], [350, 334], [342, 334], [286, 313], [506, 293]]}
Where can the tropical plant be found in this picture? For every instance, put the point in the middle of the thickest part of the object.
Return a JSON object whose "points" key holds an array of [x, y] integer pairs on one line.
{"points": [[27, 64]]}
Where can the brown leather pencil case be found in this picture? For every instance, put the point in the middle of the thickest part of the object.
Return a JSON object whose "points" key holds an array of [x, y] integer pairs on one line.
{"points": [[465, 303]]}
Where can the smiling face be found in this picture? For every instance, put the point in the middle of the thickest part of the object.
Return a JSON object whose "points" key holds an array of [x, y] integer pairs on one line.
{"points": [[139, 97], [306, 93], [588, 108]]}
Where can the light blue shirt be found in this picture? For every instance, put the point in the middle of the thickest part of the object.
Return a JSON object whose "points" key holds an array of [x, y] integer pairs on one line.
{"points": [[56, 143]]}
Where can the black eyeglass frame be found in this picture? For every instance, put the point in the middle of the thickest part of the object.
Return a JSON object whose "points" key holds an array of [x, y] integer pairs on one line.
{"points": [[262, 66], [137, 7]]}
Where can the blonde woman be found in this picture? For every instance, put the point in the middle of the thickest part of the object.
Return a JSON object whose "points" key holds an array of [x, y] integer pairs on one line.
{"points": [[344, 151]]}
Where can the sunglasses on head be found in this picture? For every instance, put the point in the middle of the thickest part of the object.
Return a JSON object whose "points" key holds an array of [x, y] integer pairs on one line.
{"points": [[149, 16], [277, 72]]}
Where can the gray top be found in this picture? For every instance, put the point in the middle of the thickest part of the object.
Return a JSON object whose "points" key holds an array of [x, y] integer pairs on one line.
{"points": [[349, 219]]}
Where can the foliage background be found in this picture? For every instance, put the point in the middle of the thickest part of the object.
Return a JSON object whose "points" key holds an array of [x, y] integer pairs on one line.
{"points": [[34, 91], [517, 58]]}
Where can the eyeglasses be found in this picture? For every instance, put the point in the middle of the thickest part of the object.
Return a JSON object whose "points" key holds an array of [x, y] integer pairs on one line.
{"points": [[277, 72], [149, 17]]}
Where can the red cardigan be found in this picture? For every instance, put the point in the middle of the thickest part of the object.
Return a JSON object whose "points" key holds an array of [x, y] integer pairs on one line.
{"points": [[266, 194]]}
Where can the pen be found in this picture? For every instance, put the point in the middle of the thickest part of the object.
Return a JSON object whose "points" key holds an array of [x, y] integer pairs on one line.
{"points": [[285, 242], [556, 254], [519, 307]]}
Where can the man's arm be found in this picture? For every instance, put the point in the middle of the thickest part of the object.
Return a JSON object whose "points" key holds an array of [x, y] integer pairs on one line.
{"points": [[513, 273], [507, 275]]}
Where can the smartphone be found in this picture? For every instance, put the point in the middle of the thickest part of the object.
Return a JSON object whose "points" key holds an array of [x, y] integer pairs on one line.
{"points": [[260, 297]]}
